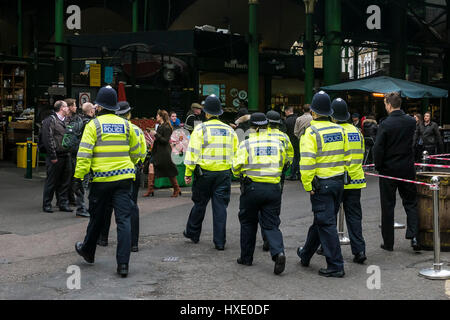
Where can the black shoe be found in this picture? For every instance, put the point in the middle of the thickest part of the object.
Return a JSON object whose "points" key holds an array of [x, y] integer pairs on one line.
{"points": [[360, 258], [245, 263], [48, 209], [330, 273], [220, 248], [415, 244], [387, 248], [320, 251], [280, 263], [302, 262], [102, 242], [83, 214], [122, 270], [186, 236], [79, 250], [65, 209], [266, 246], [134, 248]]}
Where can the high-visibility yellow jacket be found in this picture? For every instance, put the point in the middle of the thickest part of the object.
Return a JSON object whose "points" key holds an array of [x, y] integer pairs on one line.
{"points": [[142, 144], [356, 151], [324, 152], [261, 157], [109, 148], [284, 138], [212, 146]]}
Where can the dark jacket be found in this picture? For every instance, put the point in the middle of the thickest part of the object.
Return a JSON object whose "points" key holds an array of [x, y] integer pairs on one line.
{"points": [[290, 126], [370, 128], [53, 131], [243, 123], [191, 120], [76, 122], [431, 137], [393, 149], [162, 153]]}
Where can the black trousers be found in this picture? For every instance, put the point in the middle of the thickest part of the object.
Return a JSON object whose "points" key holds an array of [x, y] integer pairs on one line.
{"points": [[408, 193], [214, 186], [76, 191], [134, 214], [351, 201], [101, 196], [260, 202], [57, 181]]}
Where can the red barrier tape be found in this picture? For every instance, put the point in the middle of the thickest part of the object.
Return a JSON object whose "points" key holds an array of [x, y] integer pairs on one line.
{"points": [[433, 165], [444, 159], [399, 179], [439, 155]]}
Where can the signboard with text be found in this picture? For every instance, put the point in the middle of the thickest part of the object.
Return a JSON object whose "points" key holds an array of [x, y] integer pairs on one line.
{"points": [[95, 75]]}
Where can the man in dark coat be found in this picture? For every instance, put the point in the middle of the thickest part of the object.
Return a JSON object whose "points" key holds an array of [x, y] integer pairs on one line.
{"points": [[394, 156], [58, 159], [291, 119]]}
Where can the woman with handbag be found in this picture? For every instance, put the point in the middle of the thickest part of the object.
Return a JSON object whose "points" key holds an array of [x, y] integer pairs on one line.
{"points": [[161, 164]]}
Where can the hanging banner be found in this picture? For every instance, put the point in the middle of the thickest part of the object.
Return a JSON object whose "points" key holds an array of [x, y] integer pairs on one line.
{"points": [[95, 74], [108, 75]]}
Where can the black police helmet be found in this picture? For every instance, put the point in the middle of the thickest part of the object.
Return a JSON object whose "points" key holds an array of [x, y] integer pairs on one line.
{"points": [[258, 119], [212, 105], [124, 108], [273, 117], [107, 98], [340, 110], [321, 104]]}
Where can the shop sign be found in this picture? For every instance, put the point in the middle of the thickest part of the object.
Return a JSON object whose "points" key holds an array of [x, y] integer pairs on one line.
{"points": [[84, 97], [235, 65]]}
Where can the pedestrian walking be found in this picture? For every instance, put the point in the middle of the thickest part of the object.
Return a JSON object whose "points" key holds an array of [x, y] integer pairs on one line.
{"points": [[109, 147], [429, 133], [209, 158], [259, 163], [351, 200], [57, 160], [71, 141], [394, 156], [125, 112], [291, 120], [418, 140], [195, 117], [161, 164], [324, 153]]}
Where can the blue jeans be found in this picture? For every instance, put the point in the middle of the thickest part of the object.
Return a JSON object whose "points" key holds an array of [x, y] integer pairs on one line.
{"points": [[214, 186], [325, 205]]}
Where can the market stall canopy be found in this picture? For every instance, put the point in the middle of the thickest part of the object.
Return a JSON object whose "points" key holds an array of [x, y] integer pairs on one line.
{"points": [[387, 84]]}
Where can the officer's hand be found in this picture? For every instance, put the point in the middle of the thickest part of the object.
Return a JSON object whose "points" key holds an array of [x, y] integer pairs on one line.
{"points": [[188, 180], [311, 192], [54, 161]]}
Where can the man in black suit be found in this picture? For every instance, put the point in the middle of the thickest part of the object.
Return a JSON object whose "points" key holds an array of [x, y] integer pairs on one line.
{"points": [[394, 156]]}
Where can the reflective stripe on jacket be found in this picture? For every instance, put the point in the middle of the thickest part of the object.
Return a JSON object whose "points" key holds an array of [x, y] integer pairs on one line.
{"points": [[212, 146], [356, 151], [142, 144], [284, 139], [323, 152], [109, 148], [261, 157]]}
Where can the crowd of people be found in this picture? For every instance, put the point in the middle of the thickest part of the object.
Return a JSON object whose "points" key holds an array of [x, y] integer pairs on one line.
{"points": [[322, 148]]}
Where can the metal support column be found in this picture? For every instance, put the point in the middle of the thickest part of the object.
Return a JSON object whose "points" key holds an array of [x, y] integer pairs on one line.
{"points": [[424, 80], [332, 47], [253, 57], [398, 47], [309, 46], [135, 15], [59, 26], [19, 29], [355, 63]]}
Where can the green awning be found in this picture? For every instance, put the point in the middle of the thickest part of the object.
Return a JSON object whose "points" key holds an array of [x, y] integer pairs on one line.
{"points": [[387, 84]]}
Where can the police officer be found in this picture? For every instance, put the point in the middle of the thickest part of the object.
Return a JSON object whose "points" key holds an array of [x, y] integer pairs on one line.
{"points": [[209, 157], [125, 112], [259, 162], [108, 147], [352, 191], [322, 166]]}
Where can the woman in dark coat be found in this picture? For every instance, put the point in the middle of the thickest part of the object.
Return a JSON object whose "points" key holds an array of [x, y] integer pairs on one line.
{"points": [[161, 164]]}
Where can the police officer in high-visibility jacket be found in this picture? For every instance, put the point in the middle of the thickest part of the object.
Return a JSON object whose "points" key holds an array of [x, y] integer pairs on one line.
{"points": [[109, 147], [209, 157], [259, 162], [125, 112], [352, 192], [323, 160]]}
